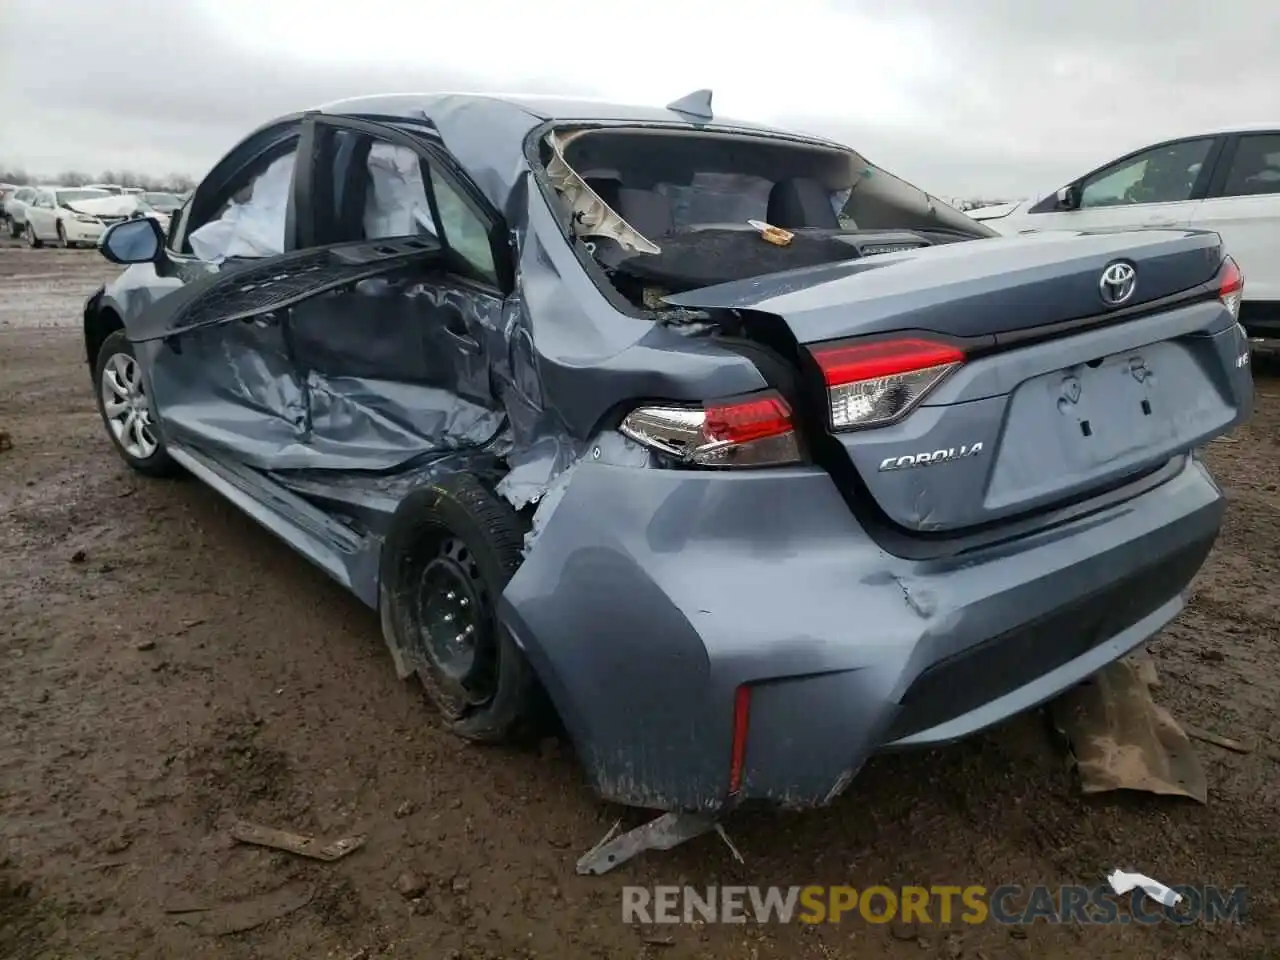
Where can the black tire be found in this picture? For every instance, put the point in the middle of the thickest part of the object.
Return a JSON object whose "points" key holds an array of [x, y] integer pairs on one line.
{"points": [[14, 230], [158, 463], [63, 242], [457, 528], [33, 241]]}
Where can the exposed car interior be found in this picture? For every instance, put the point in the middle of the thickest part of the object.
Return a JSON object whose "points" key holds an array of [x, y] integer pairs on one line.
{"points": [[668, 211]]}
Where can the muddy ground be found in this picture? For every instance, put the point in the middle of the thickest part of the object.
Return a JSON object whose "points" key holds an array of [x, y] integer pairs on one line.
{"points": [[169, 666]]}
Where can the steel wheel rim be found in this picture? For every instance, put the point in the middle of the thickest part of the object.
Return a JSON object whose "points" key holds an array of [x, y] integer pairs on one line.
{"points": [[453, 628], [125, 407]]}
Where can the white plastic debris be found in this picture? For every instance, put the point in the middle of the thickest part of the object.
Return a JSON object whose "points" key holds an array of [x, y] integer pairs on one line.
{"points": [[1122, 882]]}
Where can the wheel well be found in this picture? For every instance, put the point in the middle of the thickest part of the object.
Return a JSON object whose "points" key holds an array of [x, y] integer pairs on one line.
{"points": [[99, 323]]}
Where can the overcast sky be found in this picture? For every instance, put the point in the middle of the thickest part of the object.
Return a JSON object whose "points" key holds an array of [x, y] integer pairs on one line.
{"points": [[963, 97]]}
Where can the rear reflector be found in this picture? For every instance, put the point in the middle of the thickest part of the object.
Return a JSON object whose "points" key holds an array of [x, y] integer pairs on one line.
{"points": [[750, 431], [1231, 286], [741, 723], [873, 384]]}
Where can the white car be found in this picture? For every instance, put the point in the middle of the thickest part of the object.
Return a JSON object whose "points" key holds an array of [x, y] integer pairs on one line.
{"points": [[73, 216], [113, 188], [15, 209], [159, 206], [1226, 180]]}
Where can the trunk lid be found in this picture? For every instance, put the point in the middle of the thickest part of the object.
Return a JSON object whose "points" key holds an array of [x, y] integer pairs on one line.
{"points": [[1026, 422], [970, 288]]}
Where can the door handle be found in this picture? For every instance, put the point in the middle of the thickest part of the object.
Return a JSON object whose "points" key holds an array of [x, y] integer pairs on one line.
{"points": [[457, 331]]}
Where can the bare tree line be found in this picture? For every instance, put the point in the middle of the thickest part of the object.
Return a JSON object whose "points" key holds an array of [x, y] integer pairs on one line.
{"points": [[173, 182]]}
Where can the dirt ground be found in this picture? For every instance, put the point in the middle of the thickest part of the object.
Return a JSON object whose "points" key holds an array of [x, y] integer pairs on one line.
{"points": [[169, 666]]}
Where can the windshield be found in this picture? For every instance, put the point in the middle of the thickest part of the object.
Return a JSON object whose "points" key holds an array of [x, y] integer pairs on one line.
{"points": [[164, 202], [71, 196]]}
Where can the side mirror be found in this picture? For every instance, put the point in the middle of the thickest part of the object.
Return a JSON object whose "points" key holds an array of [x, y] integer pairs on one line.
{"points": [[132, 241], [1069, 197]]}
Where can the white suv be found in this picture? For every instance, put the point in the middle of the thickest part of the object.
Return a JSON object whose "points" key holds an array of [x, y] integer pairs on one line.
{"points": [[1227, 181]]}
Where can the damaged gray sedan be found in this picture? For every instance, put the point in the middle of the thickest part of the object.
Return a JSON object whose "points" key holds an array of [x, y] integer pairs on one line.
{"points": [[745, 456]]}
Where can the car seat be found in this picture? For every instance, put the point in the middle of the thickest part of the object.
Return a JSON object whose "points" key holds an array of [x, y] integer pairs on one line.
{"points": [[799, 203]]}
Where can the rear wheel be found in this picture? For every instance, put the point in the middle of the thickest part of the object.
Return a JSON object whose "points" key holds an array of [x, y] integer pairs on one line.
{"points": [[32, 240], [448, 564], [126, 410]]}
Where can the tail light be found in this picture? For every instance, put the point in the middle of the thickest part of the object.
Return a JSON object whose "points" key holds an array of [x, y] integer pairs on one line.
{"points": [[750, 431], [1231, 286], [872, 384]]}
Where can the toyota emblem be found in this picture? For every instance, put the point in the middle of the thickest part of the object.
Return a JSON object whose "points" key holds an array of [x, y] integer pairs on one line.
{"points": [[1117, 283]]}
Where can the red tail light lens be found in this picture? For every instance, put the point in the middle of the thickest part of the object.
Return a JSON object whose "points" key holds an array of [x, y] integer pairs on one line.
{"points": [[873, 384], [738, 749], [750, 431], [1231, 286]]}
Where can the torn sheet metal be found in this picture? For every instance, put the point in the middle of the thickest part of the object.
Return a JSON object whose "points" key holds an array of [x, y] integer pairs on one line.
{"points": [[608, 448], [663, 833], [1123, 740], [592, 217]]}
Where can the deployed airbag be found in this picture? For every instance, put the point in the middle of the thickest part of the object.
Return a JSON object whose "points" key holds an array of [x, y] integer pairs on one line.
{"points": [[254, 228], [396, 204]]}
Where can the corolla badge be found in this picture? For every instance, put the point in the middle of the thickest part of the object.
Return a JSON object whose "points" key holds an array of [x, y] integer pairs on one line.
{"points": [[1117, 283], [929, 458]]}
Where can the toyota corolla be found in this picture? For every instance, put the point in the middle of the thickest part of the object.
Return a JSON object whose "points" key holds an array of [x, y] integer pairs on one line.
{"points": [[744, 456]]}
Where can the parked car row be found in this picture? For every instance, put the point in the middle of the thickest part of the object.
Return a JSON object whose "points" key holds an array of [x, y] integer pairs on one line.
{"points": [[1227, 181], [77, 216]]}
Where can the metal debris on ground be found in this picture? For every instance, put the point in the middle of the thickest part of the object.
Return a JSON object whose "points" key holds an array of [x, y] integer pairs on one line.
{"points": [[240, 915], [294, 843], [667, 831], [1122, 882], [1123, 740]]}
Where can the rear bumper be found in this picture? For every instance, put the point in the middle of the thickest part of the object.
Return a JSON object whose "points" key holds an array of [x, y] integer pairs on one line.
{"points": [[651, 595]]}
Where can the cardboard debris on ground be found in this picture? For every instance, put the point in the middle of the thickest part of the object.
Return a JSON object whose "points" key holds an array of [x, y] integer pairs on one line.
{"points": [[262, 836], [240, 915], [1145, 664], [1123, 740]]}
